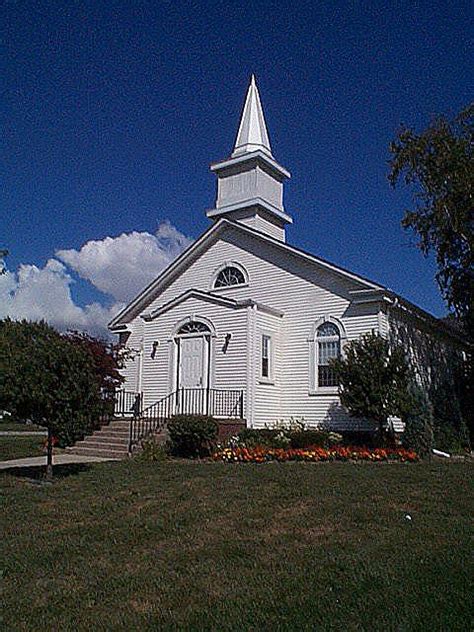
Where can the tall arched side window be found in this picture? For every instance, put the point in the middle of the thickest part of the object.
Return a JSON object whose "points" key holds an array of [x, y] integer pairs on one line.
{"points": [[325, 342], [328, 347]]}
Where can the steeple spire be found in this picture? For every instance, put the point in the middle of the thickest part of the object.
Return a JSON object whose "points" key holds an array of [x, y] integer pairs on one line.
{"points": [[252, 134], [250, 181]]}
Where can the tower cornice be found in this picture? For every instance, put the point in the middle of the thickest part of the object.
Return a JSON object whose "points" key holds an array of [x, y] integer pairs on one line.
{"points": [[258, 156]]}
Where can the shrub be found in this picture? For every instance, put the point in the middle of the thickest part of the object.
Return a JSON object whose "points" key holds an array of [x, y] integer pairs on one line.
{"points": [[418, 434], [290, 436], [447, 438], [308, 438], [152, 451], [362, 438], [374, 378], [268, 437], [192, 435]]}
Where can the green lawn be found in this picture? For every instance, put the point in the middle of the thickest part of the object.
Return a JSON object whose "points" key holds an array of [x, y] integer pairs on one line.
{"points": [[17, 447], [209, 546], [14, 426]]}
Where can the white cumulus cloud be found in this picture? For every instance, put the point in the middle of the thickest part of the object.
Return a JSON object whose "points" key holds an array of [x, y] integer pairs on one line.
{"points": [[45, 294], [117, 266], [122, 266]]}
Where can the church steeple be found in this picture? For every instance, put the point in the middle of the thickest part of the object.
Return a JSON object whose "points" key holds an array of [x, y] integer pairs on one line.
{"points": [[252, 134], [250, 182]]}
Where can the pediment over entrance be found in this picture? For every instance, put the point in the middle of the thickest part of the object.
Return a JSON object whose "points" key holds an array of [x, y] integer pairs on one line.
{"points": [[207, 297]]}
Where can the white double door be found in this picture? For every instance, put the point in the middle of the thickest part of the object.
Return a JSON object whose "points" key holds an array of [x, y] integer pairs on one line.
{"points": [[193, 362]]}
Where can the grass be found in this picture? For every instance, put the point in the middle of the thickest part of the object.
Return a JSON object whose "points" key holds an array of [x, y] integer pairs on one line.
{"points": [[17, 447], [12, 426], [210, 546]]}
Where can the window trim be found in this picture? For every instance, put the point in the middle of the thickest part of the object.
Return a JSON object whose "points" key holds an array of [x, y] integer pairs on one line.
{"points": [[314, 389], [223, 266], [264, 379]]}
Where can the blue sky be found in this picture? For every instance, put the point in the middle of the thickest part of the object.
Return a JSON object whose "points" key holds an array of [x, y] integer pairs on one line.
{"points": [[114, 110]]}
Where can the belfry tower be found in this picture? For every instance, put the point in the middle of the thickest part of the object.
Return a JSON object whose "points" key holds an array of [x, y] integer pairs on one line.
{"points": [[250, 182]]}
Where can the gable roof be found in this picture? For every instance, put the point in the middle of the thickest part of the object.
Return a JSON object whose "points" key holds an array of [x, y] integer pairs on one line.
{"points": [[151, 291], [372, 291]]}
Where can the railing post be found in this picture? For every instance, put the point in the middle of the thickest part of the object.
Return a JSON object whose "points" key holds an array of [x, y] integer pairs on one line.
{"points": [[130, 435], [241, 404]]}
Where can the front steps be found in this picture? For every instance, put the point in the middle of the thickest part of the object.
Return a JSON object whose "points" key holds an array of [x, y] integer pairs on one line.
{"points": [[109, 441]]}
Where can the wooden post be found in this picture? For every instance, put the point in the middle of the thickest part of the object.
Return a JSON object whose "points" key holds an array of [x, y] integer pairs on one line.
{"points": [[49, 458]]}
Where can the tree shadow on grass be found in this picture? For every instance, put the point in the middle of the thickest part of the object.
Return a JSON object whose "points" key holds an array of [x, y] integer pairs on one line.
{"points": [[37, 473]]}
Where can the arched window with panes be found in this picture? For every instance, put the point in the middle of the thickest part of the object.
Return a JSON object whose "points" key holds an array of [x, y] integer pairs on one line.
{"points": [[193, 327], [326, 340], [328, 346], [230, 275]]}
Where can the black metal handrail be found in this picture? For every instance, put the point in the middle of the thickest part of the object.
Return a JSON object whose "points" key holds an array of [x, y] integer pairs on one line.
{"points": [[152, 419], [127, 402], [185, 401]]}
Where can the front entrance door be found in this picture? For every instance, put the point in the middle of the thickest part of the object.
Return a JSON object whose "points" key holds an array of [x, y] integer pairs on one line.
{"points": [[192, 362]]}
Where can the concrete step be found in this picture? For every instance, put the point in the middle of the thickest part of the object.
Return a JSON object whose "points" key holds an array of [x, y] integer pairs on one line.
{"points": [[111, 436], [104, 440], [87, 451], [111, 433], [96, 441], [116, 425]]}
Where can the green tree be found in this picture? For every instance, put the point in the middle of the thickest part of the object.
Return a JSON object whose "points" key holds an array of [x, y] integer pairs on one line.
{"points": [[46, 378], [419, 423], [107, 358], [375, 379], [439, 164]]}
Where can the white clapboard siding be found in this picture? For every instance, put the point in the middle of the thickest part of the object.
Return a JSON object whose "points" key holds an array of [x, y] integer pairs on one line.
{"points": [[430, 351], [299, 289], [229, 368], [132, 369], [267, 395]]}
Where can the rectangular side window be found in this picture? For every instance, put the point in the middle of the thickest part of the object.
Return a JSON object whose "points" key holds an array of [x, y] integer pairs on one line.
{"points": [[266, 355]]}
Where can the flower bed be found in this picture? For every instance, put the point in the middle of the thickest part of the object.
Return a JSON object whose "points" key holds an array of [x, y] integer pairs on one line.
{"points": [[336, 453]]}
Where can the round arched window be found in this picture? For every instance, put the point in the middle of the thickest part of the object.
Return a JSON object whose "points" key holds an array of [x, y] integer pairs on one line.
{"points": [[228, 276], [194, 327], [328, 347]]}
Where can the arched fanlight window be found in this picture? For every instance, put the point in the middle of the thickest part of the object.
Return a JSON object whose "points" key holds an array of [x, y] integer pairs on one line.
{"points": [[194, 327], [230, 275], [328, 346]]}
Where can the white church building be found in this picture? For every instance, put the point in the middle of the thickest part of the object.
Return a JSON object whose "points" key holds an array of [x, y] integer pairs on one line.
{"points": [[243, 324]]}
